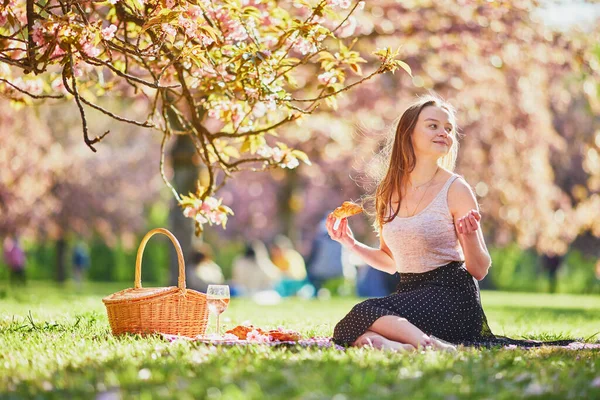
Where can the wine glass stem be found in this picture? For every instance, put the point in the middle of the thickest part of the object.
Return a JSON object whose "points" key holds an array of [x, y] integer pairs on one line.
{"points": [[218, 325]]}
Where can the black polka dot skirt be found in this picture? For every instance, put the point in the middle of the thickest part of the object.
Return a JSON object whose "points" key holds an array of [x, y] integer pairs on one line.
{"points": [[443, 302]]}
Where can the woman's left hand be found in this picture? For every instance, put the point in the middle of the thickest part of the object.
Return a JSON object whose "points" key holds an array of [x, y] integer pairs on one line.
{"points": [[469, 223]]}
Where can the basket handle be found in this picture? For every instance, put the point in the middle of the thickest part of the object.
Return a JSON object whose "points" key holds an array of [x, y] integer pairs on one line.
{"points": [[138, 260]]}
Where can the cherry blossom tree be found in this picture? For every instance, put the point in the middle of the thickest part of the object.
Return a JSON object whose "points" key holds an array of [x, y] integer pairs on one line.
{"points": [[222, 73]]}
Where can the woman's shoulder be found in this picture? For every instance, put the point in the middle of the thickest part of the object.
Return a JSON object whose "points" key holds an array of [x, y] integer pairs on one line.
{"points": [[460, 192]]}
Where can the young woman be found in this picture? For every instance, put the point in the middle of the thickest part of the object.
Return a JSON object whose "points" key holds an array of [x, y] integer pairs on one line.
{"points": [[430, 231]]}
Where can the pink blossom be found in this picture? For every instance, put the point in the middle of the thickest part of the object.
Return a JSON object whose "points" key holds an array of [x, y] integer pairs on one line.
{"points": [[211, 202], [58, 86], [170, 3], [278, 154], [34, 86], [38, 33], [264, 151], [251, 3], [252, 93], [219, 218], [201, 219], [348, 27], [232, 29], [169, 29], [327, 78], [90, 50], [269, 41], [255, 336], [77, 72], [259, 110], [189, 26], [109, 32], [339, 3], [189, 212], [206, 40], [57, 51], [193, 11], [304, 46], [292, 162]]}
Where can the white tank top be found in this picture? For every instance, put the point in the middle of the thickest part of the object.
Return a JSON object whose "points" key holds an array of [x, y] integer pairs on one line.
{"points": [[426, 240]]}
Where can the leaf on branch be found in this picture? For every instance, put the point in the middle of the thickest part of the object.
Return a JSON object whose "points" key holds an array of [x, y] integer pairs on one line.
{"points": [[302, 156], [331, 101], [325, 55], [252, 143], [165, 15], [231, 151], [290, 62], [356, 68], [404, 66], [252, 12]]}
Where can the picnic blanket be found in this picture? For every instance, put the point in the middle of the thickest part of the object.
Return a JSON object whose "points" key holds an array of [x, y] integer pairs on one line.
{"points": [[250, 335]]}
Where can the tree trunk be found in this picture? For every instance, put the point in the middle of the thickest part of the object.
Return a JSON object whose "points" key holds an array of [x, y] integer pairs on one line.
{"points": [[184, 181], [288, 207], [61, 250]]}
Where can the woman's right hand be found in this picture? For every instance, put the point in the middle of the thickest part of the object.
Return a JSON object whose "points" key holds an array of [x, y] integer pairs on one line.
{"points": [[343, 234]]}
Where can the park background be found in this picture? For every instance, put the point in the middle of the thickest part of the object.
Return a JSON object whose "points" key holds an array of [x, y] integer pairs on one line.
{"points": [[524, 77], [524, 80]]}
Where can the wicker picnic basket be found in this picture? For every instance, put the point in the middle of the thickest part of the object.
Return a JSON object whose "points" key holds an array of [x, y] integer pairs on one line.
{"points": [[174, 310]]}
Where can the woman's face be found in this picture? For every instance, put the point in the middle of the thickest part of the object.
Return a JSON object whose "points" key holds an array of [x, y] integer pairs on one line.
{"points": [[434, 132]]}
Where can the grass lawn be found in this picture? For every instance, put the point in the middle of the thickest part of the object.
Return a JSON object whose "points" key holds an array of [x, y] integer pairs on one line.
{"points": [[55, 343]]}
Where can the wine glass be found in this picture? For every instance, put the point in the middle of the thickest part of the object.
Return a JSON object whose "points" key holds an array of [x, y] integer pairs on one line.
{"points": [[217, 297]]}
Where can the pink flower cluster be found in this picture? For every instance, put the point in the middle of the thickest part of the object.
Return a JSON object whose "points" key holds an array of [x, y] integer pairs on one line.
{"points": [[109, 32], [302, 45], [340, 3], [188, 22], [208, 211], [283, 157], [10, 7], [257, 337], [232, 28], [225, 109], [327, 78]]}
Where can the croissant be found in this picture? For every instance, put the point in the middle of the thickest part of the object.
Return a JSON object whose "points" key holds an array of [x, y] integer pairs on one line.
{"points": [[347, 209], [241, 331]]}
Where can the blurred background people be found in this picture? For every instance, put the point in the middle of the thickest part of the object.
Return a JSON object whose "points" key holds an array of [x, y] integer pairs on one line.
{"points": [[81, 262], [290, 264], [14, 257], [205, 271], [253, 271], [325, 259]]}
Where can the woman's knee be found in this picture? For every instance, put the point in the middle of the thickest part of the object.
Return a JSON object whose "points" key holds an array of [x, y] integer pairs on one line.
{"points": [[389, 319]]}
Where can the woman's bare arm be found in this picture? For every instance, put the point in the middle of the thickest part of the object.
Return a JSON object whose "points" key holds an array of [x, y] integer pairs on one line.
{"points": [[380, 259], [465, 212]]}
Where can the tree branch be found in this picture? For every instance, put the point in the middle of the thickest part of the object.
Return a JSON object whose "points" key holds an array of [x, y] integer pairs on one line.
{"points": [[237, 135], [110, 114], [366, 78], [35, 96], [89, 142]]}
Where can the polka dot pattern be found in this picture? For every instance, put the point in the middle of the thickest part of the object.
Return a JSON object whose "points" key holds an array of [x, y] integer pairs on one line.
{"points": [[444, 302]]}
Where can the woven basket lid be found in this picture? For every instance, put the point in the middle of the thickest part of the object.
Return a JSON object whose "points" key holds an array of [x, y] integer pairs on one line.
{"points": [[132, 294]]}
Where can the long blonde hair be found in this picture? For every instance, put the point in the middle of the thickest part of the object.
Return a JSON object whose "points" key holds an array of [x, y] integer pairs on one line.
{"points": [[399, 156]]}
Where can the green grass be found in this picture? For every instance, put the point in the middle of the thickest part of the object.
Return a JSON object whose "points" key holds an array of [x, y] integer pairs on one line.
{"points": [[55, 343]]}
